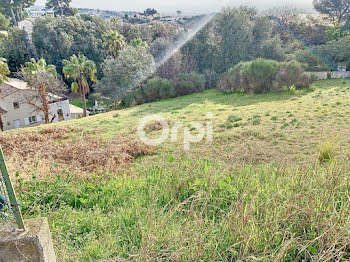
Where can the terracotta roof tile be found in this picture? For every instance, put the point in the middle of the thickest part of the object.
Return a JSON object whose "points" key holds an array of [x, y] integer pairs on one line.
{"points": [[6, 89], [2, 111]]}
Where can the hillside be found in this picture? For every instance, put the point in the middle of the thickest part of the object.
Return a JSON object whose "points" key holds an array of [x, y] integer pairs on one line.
{"points": [[257, 192]]}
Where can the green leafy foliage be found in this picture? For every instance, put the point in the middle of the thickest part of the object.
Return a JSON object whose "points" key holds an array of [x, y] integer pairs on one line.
{"points": [[16, 49], [15, 9], [261, 76], [157, 88], [56, 39], [190, 83], [235, 35], [4, 70], [133, 66], [61, 7], [336, 10], [81, 70], [113, 43], [4, 22]]}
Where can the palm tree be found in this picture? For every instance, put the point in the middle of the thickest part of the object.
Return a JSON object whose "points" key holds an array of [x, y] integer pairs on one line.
{"points": [[137, 42], [113, 43], [37, 71], [80, 69], [4, 71]]}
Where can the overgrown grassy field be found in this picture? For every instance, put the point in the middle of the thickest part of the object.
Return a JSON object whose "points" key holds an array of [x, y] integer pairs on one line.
{"points": [[272, 186]]}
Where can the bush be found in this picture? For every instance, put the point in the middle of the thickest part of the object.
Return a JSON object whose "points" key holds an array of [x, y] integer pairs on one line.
{"points": [[158, 88], [233, 80], [261, 76], [190, 83], [133, 97], [327, 151], [292, 74], [211, 78], [309, 58]]}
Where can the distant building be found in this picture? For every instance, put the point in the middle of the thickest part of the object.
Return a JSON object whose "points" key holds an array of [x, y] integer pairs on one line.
{"points": [[27, 25], [169, 19], [38, 11], [17, 112], [77, 112]]}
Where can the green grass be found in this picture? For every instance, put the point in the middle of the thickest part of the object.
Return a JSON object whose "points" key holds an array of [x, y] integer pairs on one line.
{"points": [[78, 103], [257, 193]]}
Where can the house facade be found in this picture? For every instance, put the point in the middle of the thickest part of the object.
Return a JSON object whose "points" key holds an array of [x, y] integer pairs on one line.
{"points": [[18, 110]]}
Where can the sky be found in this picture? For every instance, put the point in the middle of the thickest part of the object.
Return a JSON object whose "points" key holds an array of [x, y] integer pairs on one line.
{"points": [[197, 6]]}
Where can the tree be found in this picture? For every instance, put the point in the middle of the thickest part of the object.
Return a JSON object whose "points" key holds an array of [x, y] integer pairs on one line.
{"points": [[150, 11], [56, 39], [338, 10], [113, 43], [16, 49], [4, 22], [336, 32], [137, 42], [81, 70], [15, 9], [4, 71], [61, 7], [133, 66], [235, 35], [44, 79]]}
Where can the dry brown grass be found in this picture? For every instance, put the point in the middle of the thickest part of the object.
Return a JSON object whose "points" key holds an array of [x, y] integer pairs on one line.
{"points": [[57, 145]]}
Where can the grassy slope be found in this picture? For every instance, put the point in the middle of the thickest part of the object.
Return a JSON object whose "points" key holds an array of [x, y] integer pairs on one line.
{"points": [[257, 192]]}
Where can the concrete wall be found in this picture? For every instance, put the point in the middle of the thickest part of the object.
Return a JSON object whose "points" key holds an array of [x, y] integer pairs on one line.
{"points": [[62, 105], [32, 245], [324, 75], [25, 110]]}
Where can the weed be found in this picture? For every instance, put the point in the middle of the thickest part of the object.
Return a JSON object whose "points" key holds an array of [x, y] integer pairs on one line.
{"points": [[327, 151], [232, 121]]}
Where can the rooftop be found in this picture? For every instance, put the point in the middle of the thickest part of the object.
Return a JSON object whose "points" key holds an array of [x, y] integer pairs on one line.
{"points": [[13, 85], [75, 110]]}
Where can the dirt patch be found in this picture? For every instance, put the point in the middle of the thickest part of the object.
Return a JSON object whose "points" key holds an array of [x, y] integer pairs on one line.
{"points": [[72, 147]]}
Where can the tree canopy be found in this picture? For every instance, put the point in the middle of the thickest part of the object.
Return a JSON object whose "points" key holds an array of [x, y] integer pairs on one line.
{"points": [[15, 9], [61, 7], [4, 70], [134, 65], [113, 43], [338, 10], [150, 11], [81, 70]]}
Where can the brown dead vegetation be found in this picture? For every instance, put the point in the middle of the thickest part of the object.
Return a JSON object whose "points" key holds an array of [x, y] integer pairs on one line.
{"points": [[64, 145]]}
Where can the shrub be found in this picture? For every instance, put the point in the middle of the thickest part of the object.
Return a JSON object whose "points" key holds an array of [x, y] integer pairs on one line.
{"points": [[310, 59], [211, 78], [261, 76], [190, 83], [133, 97], [158, 88], [233, 80], [252, 77], [327, 151], [292, 74]]}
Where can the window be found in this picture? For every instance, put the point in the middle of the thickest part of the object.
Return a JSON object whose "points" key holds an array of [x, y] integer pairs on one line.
{"points": [[32, 119], [15, 105]]}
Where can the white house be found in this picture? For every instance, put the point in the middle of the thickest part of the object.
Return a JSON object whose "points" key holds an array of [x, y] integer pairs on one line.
{"points": [[77, 112], [17, 108]]}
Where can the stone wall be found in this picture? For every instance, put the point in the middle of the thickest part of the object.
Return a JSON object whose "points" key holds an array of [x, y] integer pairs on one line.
{"points": [[324, 75]]}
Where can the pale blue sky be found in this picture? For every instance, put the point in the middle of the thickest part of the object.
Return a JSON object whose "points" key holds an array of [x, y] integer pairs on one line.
{"points": [[184, 5]]}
